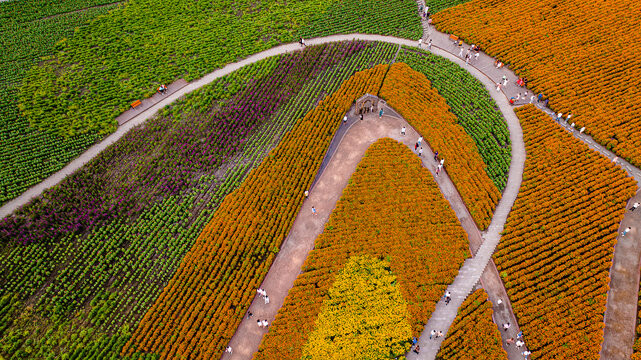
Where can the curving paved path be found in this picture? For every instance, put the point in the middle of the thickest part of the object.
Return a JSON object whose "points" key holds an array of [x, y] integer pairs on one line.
{"points": [[621, 306], [349, 150], [142, 116], [484, 70]]}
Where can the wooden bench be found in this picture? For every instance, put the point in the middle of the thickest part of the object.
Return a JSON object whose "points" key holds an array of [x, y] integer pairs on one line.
{"points": [[453, 37], [135, 104]]}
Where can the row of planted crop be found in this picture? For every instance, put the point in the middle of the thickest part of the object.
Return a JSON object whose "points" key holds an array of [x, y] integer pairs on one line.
{"points": [[473, 106], [411, 94], [93, 94], [556, 249], [473, 334], [363, 315], [143, 253], [392, 17], [28, 11], [28, 155], [18, 273], [164, 156], [109, 51], [182, 320], [572, 66], [636, 353], [412, 238]]}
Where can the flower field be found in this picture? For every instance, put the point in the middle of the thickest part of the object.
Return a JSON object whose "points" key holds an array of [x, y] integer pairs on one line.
{"points": [[440, 5], [27, 155], [392, 209], [557, 246], [636, 354], [235, 250], [139, 169], [363, 317], [105, 278], [563, 50], [90, 68], [473, 106], [473, 334], [384, 17], [412, 95]]}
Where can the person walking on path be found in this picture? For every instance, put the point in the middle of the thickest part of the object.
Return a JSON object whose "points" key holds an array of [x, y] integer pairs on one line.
{"points": [[568, 118], [266, 300], [403, 131], [526, 353], [509, 341], [432, 334], [260, 323], [306, 194], [498, 86], [627, 230], [634, 206], [460, 53], [436, 156], [228, 350], [439, 334], [519, 343], [380, 113], [504, 80], [361, 117], [420, 140], [448, 297], [313, 210], [417, 349], [415, 146], [420, 152], [438, 169], [265, 323], [420, 42], [506, 326], [429, 45], [442, 162]]}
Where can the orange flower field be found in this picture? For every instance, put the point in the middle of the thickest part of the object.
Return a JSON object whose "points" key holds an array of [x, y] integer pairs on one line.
{"points": [[473, 334], [412, 95], [391, 210], [636, 354], [557, 246], [579, 53], [201, 306]]}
